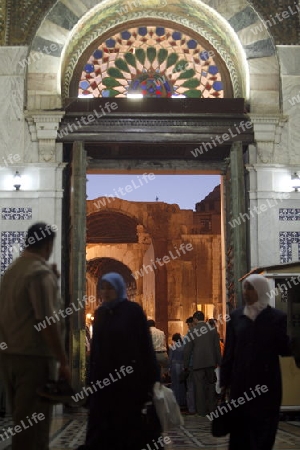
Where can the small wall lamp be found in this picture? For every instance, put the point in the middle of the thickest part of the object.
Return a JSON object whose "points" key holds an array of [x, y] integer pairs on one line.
{"points": [[295, 181], [17, 181]]}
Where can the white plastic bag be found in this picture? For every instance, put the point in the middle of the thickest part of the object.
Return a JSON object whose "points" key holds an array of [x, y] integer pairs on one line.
{"points": [[166, 407]]}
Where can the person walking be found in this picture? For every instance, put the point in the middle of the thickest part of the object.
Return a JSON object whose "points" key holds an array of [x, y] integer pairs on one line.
{"points": [[176, 368], [190, 384], [123, 371], [160, 346], [28, 294], [204, 346], [256, 335]]}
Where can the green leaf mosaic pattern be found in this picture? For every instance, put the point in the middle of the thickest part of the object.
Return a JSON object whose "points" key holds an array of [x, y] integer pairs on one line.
{"points": [[155, 56]]}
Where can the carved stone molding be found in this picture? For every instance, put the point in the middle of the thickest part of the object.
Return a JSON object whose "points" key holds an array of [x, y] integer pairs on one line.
{"points": [[267, 135], [23, 17], [43, 129]]}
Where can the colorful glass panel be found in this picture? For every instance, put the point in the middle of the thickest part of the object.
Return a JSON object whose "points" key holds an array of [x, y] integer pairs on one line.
{"points": [[152, 61]]}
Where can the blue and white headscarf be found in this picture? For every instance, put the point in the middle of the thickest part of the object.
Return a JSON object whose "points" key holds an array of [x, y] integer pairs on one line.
{"points": [[118, 283]]}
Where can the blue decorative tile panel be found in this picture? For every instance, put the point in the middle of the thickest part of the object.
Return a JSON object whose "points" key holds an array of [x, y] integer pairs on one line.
{"points": [[286, 239], [16, 213], [9, 239], [289, 214]]}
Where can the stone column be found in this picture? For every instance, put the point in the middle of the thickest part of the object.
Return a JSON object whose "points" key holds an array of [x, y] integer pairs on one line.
{"points": [[238, 212], [77, 240]]}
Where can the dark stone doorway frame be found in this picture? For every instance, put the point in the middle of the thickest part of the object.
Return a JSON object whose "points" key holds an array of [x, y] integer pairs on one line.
{"points": [[124, 142]]}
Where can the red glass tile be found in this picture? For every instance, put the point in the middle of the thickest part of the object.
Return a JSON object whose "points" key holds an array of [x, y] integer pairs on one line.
{"points": [[216, 94], [86, 92], [213, 78], [208, 86], [94, 85]]}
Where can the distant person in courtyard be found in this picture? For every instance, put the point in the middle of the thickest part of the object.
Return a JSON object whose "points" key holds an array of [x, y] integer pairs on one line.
{"points": [[160, 346], [203, 344], [176, 369], [190, 384], [123, 371], [28, 293], [250, 370]]}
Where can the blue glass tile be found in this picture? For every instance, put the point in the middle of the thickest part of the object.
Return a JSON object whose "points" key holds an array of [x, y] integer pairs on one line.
{"points": [[160, 31], [204, 56], [110, 43], [98, 54], [89, 68], [192, 44], [125, 35], [213, 70], [105, 93], [142, 31], [84, 85], [217, 85], [176, 35]]}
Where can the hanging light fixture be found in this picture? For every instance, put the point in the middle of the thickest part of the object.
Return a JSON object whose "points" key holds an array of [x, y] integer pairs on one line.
{"points": [[295, 181], [17, 181]]}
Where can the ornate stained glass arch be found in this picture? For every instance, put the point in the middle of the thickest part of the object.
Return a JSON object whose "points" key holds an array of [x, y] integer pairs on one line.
{"points": [[151, 61]]}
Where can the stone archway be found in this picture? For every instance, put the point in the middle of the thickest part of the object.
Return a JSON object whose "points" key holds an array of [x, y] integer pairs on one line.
{"points": [[245, 53]]}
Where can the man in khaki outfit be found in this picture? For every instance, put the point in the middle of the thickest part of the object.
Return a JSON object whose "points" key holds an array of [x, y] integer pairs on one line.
{"points": [[28, 293]]}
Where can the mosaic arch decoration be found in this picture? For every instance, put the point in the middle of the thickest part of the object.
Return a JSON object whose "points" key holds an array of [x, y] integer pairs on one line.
{"points": [[151, 61]]}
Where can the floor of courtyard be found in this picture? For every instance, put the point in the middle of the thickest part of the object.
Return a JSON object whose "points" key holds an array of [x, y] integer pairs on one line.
{"points": [[68, 432]]}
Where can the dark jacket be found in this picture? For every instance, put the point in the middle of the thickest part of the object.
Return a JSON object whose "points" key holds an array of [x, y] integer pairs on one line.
{"points": [[204, 344], [121, 338], [251, 358]]}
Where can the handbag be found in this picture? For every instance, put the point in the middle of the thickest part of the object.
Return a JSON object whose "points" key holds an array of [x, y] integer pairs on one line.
{"points": [[166, 406], [222, 420]]}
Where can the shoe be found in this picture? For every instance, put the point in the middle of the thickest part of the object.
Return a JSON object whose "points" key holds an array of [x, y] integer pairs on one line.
{"points": [[56, 392]]}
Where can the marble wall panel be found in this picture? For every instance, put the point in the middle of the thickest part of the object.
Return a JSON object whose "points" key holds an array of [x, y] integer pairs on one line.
{"points": [[42, 82], [10, 58], [260, 82], [268, 65], [264, 102], [289, 57], [252, 33]]}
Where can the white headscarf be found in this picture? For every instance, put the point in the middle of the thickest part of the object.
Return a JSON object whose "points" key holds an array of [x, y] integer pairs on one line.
{"points": [[262, 287]]}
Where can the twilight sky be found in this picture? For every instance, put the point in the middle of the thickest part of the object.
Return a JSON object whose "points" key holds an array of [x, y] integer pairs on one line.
{"points": [[184, 190]]}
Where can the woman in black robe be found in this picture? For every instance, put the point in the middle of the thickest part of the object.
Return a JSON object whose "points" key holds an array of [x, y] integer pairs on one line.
{"points": [[256, 335], [123, 371]]}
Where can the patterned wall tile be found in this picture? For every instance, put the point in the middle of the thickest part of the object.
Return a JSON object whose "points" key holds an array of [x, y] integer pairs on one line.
{"points": [[16, 213], [289, 214], [286, 239], [11, 242]]}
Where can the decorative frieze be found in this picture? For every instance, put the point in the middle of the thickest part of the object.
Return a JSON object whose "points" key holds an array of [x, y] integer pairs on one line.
{"points": [[289, 214], [16, 213]]}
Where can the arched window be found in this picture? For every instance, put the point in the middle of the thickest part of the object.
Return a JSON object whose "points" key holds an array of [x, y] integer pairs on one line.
{"points": [[151, 61]]}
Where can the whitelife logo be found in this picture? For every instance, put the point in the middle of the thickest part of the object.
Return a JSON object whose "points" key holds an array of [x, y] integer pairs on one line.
{"points": [[101, 384], [164, 260]]}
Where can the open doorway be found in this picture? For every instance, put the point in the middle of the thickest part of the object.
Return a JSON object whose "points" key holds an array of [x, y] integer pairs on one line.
{"points": [[163, 233]]}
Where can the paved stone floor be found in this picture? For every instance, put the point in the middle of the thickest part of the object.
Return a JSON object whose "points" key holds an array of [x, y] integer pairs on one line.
{"points": [[68, 431]]}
